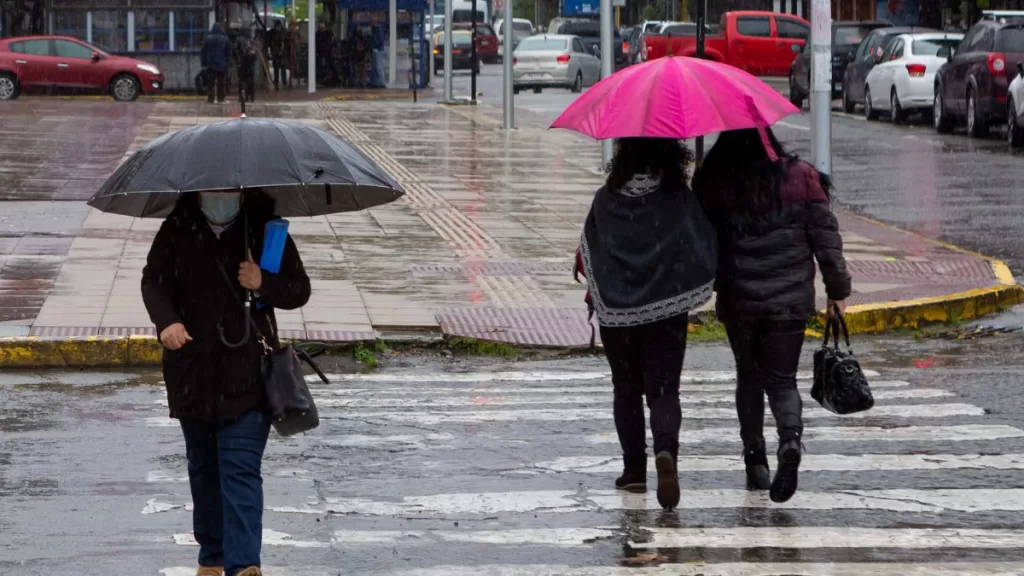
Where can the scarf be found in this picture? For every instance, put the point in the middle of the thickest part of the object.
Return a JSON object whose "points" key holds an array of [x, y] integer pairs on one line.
{"points": [[648, 253]]}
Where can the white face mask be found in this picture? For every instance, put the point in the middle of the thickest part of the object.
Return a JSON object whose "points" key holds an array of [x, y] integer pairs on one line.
{"points": [[220, 207]]}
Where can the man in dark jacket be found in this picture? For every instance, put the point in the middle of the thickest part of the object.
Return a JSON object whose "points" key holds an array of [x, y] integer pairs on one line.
{"points": [[246, 55], [277, 44], [193, 286], [215, 57]]}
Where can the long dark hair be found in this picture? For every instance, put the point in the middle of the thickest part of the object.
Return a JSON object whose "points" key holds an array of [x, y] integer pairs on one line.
{"points": [[656, 156], [738, 175]]}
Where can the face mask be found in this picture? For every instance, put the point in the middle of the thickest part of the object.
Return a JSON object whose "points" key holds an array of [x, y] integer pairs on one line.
{"points": [[221, 207]]}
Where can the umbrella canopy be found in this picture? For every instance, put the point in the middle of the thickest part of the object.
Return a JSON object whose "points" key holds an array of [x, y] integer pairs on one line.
{"points": [[674, 97], [307, 171]]}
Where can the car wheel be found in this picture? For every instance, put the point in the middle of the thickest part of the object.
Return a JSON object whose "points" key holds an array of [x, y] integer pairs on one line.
{"points": [[577, 84], [515, 90], [794, 96], [8, 86], [538, 90], [1014, 135], [896, 113], [869, 110], [940, 120], [848, 106], [976, 127], [125, 88]]}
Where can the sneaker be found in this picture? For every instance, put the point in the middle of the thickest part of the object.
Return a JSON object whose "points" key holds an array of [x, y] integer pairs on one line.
{"points": [[251, 571], [668, 480], [210, 571], [785, 482]]}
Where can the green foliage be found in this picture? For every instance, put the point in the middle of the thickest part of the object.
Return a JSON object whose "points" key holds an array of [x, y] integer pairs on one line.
{"points": [[364, 355], [475, 347], [710, 331]]}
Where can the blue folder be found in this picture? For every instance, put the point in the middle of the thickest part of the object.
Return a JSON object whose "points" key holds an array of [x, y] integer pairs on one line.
{"points": [[274, 239]]}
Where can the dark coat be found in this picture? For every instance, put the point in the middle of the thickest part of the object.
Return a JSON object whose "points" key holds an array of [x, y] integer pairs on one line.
{"points": [[215, 54], [766, 260], [181, 282]]}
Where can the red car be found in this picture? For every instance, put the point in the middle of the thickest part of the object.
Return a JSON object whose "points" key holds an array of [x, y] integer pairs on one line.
{"points": [[58, 63], [486, 40]]}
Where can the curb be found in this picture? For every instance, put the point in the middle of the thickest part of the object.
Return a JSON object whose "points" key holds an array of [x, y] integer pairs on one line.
{"points": [[355, 97]]}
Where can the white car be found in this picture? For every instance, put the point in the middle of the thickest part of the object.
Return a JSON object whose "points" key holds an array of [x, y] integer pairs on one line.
{"points": [[521, 28], [903, 81], [553, 61], [1015, 109]]}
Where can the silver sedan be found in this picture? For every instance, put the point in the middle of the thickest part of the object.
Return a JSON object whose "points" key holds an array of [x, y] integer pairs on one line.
{"points": [[554, 61]]}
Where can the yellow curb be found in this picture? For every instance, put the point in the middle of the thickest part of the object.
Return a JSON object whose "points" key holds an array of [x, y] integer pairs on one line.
{"points": [[369, 97], [34, 352]]}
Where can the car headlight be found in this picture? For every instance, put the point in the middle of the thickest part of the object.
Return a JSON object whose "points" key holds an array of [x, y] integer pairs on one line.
{"points": [[149, 68]]}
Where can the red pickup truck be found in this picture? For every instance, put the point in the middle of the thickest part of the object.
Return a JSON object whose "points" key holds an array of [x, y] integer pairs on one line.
{"points": [[761, 43]]}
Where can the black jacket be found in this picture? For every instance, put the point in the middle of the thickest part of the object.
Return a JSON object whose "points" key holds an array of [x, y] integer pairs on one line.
{"points": [[181, 282], [766, 260], [216, 51]]}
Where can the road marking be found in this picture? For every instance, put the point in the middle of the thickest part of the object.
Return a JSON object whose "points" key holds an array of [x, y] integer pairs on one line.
{"points": [[792, 126], [728, 569], [270, 538], [563, 537], [828, 537], [531, 376], [579, 414], [811, 463], [404, 391], [962, 433]]}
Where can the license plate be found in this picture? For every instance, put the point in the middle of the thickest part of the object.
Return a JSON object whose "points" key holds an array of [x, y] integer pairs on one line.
{"points": [[534, 75]]}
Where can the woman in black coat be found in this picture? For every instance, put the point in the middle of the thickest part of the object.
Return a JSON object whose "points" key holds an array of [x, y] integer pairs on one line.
{"points": [[193, 286]]}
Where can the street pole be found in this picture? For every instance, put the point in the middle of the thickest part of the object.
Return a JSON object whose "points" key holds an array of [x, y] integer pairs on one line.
{"points": [[393, 42], [508, 110], [311, 52], [607, 61], [430, 44], [702, 16], [821, 85], [472, 52], [448, 97]]}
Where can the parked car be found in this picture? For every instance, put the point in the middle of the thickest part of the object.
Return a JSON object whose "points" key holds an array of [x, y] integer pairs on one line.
{"points": [[868, 54], [589, 32], [462, 55], [486, 40], [58, 63], [521, 28], [903, 81], [973, 84], [758, 42], [635, 40], [1015, 109], [554, 61], [846, 38]]}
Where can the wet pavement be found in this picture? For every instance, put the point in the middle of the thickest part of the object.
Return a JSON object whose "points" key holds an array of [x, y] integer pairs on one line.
{"points": [[482, 466], [480, 246]]}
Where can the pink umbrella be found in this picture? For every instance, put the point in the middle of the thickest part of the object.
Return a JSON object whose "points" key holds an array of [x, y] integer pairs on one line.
{"points": [[674, 97]]}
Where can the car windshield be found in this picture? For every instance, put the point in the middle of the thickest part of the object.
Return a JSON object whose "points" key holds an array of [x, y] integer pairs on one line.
{"points": [[852, 36], [467, 16], [680, 30], [1010, 40], [522, 27], [582, 29], [651, 26], [931, 46], [538, 44], [461, 39]]}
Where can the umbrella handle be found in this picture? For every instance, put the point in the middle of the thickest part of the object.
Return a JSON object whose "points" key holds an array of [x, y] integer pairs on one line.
{"points": [[246, 332]]}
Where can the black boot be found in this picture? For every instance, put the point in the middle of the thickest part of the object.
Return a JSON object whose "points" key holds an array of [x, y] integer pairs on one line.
{"points": [[784, 484], [634, 475], [759, 477], [668, 480]]}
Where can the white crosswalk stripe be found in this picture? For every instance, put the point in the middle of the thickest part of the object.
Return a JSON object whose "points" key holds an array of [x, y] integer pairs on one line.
{"points": [[944, 473]]}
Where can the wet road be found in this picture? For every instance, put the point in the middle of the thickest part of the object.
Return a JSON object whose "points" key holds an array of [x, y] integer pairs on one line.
{"points": [[966, 192], [433, 466]]}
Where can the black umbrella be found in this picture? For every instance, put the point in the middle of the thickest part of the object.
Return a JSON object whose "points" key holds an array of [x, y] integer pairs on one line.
{"points": [[307, 171]]}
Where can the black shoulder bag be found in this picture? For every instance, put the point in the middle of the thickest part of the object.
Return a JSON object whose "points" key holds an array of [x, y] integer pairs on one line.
{"points": [[839, 383], [292, 409]]}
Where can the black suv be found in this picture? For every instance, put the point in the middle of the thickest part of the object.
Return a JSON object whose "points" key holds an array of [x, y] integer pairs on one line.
{"points": [[867, 55], [846, 37], [973, 84]]}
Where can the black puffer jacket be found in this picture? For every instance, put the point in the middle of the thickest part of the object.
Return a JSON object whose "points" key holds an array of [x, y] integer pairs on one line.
{"points": [[181, 282], [766, 260]]}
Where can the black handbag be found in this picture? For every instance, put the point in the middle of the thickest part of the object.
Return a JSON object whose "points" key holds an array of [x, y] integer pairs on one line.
{"points": [[839, 383]]}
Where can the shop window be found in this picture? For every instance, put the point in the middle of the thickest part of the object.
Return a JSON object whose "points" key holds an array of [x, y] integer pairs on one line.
{"points": [[70, 23], [152, 30], [110, 30], [190, 28]]}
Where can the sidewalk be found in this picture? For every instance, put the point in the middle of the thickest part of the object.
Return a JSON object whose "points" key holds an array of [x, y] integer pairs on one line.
{"points": [[480, 246]]}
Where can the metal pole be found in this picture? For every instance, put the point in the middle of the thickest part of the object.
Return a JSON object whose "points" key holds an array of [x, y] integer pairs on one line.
{"points": [[506, 63], [448, 96], [607, 63], [311, 52], [702, 16], [821, 85], [472, 52], [393, 43], [430, 44]]}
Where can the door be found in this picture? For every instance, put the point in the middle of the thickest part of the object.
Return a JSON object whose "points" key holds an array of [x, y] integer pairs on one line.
{"points": [[880, 78], [33, 62], [956, 91], [752, 47], [857, 71], [791, 34], [76, 68], [589, 64]]}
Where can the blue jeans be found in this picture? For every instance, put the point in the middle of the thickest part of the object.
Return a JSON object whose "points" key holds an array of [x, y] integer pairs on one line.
{"points": [[377, 79], [227, 489]]}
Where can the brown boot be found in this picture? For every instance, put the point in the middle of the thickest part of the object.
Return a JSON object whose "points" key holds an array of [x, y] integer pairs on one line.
{"points": [[251, 571], [210, 571]]}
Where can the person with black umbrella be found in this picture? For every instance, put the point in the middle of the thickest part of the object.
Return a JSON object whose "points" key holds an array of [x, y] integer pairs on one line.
{"points": [[194, 286]]}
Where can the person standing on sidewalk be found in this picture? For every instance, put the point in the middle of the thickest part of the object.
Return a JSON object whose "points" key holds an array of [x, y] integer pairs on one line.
{"points": [[193, 287], [773, 218], [648, 253], [277, 43], [246, 55], [215, 57]]}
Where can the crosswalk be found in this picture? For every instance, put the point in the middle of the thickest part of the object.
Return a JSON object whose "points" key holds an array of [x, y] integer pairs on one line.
{"points": [[421, 473]]}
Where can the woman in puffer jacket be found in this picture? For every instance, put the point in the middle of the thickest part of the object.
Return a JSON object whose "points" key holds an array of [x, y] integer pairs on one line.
{"points": [[773, 219]]}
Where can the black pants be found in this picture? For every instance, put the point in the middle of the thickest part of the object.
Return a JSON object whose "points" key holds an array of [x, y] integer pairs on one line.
{"points": [[279, 72], [767, 355], [647, 360], [218, 86], [247, 80]]}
